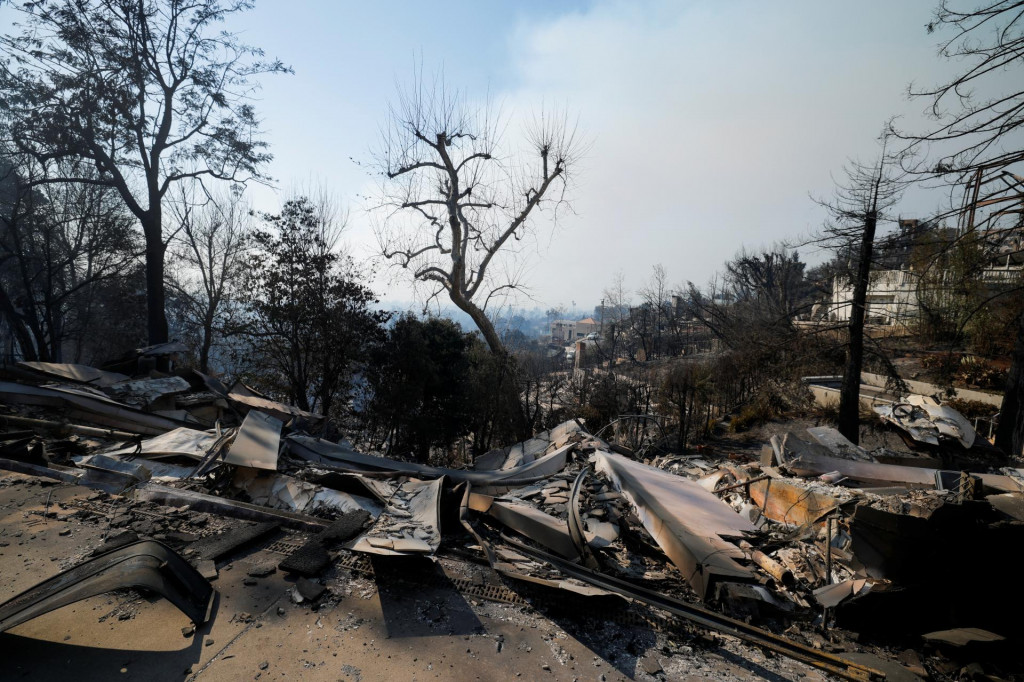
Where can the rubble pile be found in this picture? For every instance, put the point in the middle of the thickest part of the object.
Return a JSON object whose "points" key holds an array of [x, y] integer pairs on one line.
{"points": [[818, 538]]}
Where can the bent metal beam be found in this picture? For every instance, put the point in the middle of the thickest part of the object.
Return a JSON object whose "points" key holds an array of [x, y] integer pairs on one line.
{"points": [[146, 564]]}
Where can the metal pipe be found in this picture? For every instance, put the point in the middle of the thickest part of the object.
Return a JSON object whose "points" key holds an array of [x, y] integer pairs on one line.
{"points": [[62, 429], [774, 568], [742, 484], [712, 620], [828, 566]]}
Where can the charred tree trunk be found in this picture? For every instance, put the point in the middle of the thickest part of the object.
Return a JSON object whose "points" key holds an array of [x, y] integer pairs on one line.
{"points": [[849, 393], [480, 319], [1010, 431], [156, 317], [204, 350], [18, 329], [509, 370]]}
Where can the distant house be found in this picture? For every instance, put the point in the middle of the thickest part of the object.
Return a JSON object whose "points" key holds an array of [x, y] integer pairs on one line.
{"points": [[587, 325], [563, 330], [570, 330]]}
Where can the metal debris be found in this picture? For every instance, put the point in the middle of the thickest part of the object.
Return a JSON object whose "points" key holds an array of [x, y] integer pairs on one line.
{"points": [[927, 421], [815, 531], [146, 564]]}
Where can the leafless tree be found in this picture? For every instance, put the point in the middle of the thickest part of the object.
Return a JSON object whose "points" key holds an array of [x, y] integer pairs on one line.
{"points": [[456, 200], [614, 316], [683, 392], [210, 250], [147, 93], [655, 301], [979, 120]]}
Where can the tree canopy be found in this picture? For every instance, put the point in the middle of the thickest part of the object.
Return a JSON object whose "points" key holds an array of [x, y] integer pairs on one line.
{"points": [[148, 93]]}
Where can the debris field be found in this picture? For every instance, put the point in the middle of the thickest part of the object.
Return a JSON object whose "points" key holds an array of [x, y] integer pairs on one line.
{"points": [[219, 534]]}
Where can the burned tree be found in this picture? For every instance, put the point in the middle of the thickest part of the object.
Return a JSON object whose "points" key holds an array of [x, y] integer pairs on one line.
{"points": [[146, 92], [756, 301], [457, 201], [979, 112], [615, 305], [858, 205], [210, 253], [654, 304], [751, 309]]}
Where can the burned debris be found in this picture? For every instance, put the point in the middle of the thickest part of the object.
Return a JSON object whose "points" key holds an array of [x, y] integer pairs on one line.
{"points": [[815, 539]]}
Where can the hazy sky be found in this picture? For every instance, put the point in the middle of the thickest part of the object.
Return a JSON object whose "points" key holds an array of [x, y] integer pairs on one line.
{"points": [[710, 122]]}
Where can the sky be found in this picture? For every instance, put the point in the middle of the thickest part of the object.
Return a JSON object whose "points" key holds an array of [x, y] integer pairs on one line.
{"points": [[709, 124]]}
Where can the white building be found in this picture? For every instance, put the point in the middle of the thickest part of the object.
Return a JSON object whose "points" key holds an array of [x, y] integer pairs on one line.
{"points": [[891, 298], [894, 295]]}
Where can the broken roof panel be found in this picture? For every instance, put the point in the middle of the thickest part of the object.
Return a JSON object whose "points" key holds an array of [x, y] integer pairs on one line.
{"points": [[257, 443], [805, 461], [839, 444], [87, 404], [529, 521], [690, 524], [325, 452], [278, 491], [409, 524], [143, 470], [72, 372], [145, 392], [527, 451], [242, 394], [182, 441]]}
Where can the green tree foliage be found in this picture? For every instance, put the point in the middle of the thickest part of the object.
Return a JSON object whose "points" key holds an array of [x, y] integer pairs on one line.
{"points": [[421, 384], [430, 386], [312, 323], [145, 93]]}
